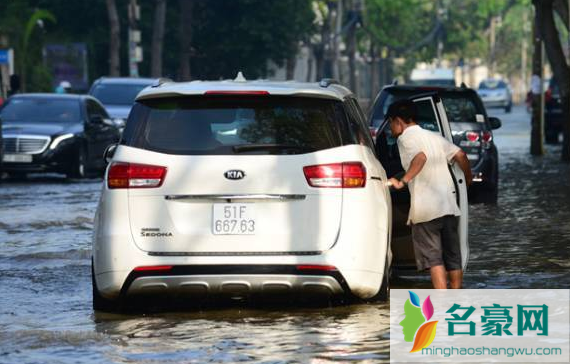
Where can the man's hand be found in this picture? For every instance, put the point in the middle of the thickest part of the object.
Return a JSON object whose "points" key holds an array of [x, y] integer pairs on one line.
{"points": [[461, 159], [396, 183]]}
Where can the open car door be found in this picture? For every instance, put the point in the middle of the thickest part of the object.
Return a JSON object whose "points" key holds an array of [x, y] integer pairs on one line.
{"points": [[431, 116]]}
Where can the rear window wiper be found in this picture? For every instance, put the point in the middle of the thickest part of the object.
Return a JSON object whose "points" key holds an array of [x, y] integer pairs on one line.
{"points": [[243, 148]]}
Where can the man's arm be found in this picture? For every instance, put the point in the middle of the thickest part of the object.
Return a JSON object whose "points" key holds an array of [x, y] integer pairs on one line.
{"points": [[416, 166], [461, 159]]}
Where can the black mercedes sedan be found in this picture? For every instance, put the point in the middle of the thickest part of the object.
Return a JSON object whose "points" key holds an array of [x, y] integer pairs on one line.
{"points": [[55, 133]]}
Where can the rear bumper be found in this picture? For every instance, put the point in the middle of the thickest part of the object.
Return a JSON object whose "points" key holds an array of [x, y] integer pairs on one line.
{"points": [[485, 170], [237, 280]]}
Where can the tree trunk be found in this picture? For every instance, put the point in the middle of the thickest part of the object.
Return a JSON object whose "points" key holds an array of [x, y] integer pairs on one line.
{"points": [[351, 50], [550, 35], [157, 38], [319, 62], [290, 66], [114, 39], [185, 39], [310, 65], [374, 73], [537, 121], [337, 72], [561, 7]]}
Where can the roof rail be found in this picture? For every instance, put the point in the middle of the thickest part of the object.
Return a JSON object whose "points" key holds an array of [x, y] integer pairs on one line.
{"points": [[161, 81], [326, 82]]}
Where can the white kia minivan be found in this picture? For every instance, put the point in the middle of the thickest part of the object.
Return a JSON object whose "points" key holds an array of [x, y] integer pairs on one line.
{"points": [[242, 188]]}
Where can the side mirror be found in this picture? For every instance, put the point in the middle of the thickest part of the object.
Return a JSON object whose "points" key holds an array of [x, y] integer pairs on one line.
{"points": [[97, 119], [109, 153], [495, 122]]}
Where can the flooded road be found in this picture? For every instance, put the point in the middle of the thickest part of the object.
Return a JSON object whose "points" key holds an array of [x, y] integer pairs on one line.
{"points": [[45, 287]]}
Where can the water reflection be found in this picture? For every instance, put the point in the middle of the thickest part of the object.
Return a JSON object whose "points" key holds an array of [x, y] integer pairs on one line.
{"points": [[355, 332]]}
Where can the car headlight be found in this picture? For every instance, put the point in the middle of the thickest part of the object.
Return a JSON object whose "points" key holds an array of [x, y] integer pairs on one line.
{"points": [[55, 142]]}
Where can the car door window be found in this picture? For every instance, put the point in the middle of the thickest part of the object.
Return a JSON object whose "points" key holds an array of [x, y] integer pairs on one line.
{"points": [[426, 117]]}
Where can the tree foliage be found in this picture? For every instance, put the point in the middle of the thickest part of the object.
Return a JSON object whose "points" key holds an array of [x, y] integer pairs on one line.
{"points": [[228, 35]]}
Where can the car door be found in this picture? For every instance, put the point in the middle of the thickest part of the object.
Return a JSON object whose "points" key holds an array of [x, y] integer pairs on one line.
{"points": [[431, 116]]}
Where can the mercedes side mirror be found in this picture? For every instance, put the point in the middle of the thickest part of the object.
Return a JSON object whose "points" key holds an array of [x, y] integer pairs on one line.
{"points": [[109, 153], [97, 119]]}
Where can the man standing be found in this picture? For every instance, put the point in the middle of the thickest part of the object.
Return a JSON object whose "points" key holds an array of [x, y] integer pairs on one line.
{"points": [[434, 213]]}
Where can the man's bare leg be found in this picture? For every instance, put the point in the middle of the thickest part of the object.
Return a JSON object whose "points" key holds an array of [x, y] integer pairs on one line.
{"points": [[456, 278], [438, 277]]}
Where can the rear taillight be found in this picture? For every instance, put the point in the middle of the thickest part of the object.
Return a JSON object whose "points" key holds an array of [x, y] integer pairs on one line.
{"points": [[336, 175], [486, 138], [472, 136], [131, 175]]}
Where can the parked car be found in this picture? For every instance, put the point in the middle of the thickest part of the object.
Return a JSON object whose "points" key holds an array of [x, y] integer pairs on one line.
{"points": [[471, 128], [496, 93], [242, 188], [432, 115], [55, 133], [553, 117], [118, 94], [443, 77]]}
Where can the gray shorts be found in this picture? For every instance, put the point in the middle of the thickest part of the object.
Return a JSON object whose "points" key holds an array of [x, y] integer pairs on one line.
{"points": [[436, 242]]}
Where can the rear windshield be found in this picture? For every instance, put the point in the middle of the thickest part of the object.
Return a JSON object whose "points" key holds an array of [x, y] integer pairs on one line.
{"points": [[41, 110], [492, 85], [117, 94], [460, 107], [198, 125], [444, 82]]}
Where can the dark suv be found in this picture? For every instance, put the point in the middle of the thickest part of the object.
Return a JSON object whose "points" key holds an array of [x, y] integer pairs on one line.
{"points": [[553, 118], [470, 125]]}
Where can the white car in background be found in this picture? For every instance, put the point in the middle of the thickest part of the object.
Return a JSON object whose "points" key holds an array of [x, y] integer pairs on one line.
{"points": [[242, 189], [496, 94]]}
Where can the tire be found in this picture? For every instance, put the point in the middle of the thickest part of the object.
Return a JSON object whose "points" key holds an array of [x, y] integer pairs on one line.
{"points": [[508, 108], [78, 168], [101, 303]]}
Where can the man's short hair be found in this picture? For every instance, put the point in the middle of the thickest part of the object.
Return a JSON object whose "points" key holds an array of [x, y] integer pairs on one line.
{"points": [[405, 109]]}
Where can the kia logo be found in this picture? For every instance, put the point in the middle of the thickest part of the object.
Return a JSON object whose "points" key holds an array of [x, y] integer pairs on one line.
{"points": [[234, 174]]}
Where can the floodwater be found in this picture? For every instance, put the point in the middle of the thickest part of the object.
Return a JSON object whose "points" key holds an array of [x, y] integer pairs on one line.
{"points": [[45, 286]]}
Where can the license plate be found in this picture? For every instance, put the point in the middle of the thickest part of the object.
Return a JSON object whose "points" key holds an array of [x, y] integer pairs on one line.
{"points": [[17, 158], [233, 219]]}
